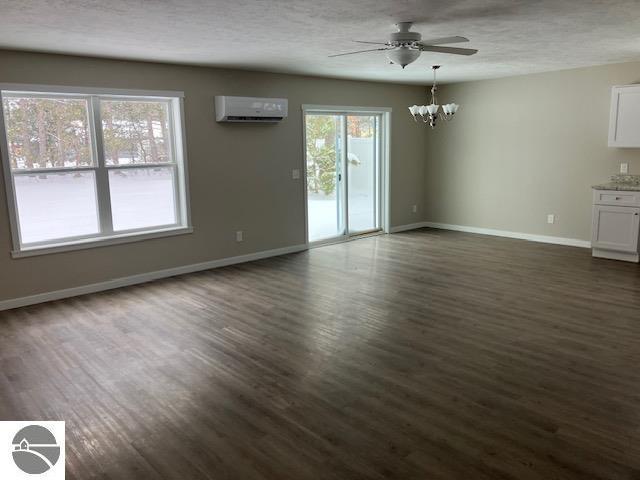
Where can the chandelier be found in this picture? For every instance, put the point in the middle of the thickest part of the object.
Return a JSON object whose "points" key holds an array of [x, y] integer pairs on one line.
{"points": [[431, 113]]}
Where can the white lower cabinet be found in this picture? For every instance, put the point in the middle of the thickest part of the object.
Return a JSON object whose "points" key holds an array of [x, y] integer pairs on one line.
{"points": [[615, 231]]}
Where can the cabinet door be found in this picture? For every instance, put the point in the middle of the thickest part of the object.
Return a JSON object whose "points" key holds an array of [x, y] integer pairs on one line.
{"points": [[624, 119], [615, 228]]}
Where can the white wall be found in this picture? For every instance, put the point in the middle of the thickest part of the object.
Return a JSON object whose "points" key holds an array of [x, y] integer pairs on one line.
{"points": [[524, 147]]}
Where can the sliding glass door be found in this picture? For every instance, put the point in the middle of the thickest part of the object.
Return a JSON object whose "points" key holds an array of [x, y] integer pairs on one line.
{"points": [[343, 174]]}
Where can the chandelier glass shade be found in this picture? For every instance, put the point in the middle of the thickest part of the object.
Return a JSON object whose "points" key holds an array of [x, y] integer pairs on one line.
{"points": [[432, 112]]}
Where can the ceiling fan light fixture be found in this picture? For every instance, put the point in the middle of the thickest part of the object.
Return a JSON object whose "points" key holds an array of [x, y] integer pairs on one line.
{"points": [[403, 56], [404, 46]]}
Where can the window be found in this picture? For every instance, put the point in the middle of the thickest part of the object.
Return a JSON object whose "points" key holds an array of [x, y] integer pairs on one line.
{"points": [[92, 167]]}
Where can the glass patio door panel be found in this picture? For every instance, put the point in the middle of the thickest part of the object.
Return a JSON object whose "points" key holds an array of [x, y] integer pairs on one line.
{"points": [[343, 174], [325, 192], [362, 174]]}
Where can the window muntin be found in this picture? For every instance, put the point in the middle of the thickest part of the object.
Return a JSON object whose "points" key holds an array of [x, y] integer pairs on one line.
{"points": [[112, 166]]}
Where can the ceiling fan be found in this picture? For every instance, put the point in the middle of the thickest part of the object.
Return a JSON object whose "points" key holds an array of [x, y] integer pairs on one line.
{"points": [[404, 47]]}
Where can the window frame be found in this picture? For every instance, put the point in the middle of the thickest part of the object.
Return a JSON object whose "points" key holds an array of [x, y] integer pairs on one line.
{"points": [[106, 236]]}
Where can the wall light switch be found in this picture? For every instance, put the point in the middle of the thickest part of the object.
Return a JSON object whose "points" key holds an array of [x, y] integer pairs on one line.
{"points": [[295, 174], [239, 236], [624, 168], [551, 218], [414, 208]]}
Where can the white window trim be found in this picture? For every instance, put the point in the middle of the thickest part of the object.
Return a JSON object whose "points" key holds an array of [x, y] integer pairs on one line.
{"points": [[179, 151]]}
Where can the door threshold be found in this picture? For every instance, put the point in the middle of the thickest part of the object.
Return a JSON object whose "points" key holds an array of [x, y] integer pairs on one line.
{"points": [[345, 238], [366, 233]]}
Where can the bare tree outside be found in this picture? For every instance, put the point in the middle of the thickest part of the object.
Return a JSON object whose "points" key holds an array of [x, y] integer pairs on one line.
{"points": [[135, 132], [47, 132]]}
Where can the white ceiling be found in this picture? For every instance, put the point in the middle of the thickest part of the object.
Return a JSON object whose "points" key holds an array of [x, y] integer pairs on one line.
{"points": [[295, 36]]}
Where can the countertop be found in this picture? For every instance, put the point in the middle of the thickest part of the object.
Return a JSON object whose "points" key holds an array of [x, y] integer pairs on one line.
{"points": [[621, 182]]}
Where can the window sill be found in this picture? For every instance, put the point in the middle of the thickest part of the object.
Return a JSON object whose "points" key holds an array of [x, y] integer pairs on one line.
{"points": [[100, 242]]}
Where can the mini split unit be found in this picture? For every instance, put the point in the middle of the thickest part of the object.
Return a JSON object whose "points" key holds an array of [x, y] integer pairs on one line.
{"points": [[250, 109]]}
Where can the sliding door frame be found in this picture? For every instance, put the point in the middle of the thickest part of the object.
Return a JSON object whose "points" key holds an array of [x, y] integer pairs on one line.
{"points": [[384, 146]]}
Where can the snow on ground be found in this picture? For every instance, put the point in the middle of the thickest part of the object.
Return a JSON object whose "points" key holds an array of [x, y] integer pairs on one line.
{"points": [[323, 217], [63, 205], [55, 206]]}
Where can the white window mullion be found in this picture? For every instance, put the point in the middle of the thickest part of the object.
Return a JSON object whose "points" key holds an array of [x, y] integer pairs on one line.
{"points": [[8, 179], [177, 202], [344, 172], [179, 165], [178, 142], [102, 174]]}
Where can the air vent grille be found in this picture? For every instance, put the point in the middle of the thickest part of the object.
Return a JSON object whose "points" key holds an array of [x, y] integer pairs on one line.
{"points": [[235, 118]]}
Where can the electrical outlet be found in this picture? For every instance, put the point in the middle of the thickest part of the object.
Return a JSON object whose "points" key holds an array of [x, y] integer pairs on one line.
{"points": [[239, 236], [624, 168], [295, 174], [414, 208], [551, 218]]}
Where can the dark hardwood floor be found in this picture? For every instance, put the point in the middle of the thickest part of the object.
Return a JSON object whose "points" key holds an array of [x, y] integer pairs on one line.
{"points": [[421, 355]]}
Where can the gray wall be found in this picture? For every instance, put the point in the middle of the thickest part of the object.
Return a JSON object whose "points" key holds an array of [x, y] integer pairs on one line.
{"points": [[524, 147], [240, 175]]}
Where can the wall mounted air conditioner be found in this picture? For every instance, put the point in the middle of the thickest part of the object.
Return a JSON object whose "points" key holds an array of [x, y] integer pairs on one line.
{"points": [[250, 109]]}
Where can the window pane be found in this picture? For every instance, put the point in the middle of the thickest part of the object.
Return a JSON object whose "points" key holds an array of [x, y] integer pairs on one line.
{"points": [[56, 205], [47, 132], [135, 132], [142, 197], [362, 147], [325, 202]]}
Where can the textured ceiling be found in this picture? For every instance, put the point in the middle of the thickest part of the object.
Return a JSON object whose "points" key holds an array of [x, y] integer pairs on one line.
{"points": [[295, 36]]}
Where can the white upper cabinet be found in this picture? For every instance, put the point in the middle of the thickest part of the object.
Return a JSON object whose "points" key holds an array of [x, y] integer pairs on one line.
{"points": [[624, 121]]}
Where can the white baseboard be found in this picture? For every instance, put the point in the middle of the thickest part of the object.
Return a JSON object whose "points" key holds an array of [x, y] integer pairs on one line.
{"points": [[571, 242], [611, 255], [409, 226], [171, 272], [144, 277]]}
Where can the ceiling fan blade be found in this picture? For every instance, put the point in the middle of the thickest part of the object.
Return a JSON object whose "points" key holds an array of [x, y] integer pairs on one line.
{"points": [[444, 40], [451, 50], [360, 51], [372, 43]]}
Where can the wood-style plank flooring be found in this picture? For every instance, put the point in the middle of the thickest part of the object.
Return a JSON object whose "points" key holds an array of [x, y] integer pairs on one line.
{"points": [[421, 355]]}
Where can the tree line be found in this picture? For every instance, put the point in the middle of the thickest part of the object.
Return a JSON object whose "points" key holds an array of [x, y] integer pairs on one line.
{"points": [[56, 133]]}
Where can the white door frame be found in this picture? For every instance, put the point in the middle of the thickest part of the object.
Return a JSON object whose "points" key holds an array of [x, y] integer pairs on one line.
{"points": [[385, 151]]}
